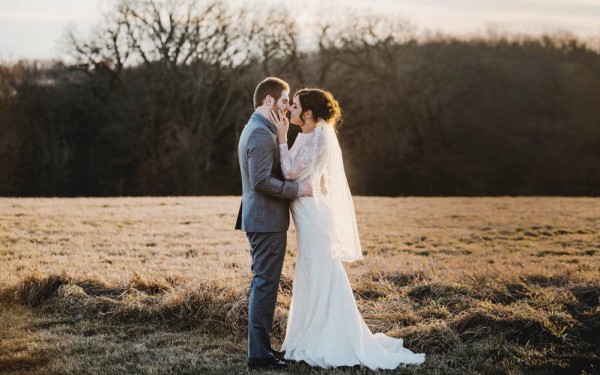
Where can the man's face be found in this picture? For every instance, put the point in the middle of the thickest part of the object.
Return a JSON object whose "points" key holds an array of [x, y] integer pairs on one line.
{"points": [[283, 103]]}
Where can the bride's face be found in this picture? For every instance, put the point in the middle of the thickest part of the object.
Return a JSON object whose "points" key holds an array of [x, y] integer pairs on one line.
{"points": [[296, 111]]}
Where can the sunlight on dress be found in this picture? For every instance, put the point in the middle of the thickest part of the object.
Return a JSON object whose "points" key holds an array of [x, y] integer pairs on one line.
{"points": [[324, 325]]}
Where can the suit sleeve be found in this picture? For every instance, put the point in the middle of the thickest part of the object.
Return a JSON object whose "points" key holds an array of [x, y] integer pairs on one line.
{"points": [[260, 164]]}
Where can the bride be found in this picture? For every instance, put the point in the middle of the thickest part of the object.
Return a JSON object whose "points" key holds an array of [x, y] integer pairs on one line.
{"points": [[324, 326]]}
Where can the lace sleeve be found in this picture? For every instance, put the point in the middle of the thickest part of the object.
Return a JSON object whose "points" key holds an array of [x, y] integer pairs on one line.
{"points": [[306, 156]]}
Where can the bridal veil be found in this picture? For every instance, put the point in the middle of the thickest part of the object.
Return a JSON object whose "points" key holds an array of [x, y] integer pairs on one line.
{"points": [[337, 205]]}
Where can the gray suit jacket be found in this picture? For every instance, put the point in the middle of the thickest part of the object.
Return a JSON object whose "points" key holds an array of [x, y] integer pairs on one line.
{"points": [[266, 195]]}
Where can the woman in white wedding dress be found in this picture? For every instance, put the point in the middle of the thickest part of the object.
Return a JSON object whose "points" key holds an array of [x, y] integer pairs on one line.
{"points": [[324, 325]]}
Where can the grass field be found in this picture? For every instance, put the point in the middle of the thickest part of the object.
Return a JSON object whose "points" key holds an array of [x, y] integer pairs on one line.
{"points": [[159, 285]]}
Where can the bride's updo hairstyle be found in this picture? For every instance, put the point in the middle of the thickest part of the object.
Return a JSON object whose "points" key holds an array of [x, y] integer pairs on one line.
{"points": [[321, 103]]}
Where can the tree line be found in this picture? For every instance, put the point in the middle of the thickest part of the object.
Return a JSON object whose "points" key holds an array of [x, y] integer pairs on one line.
{"points": [[153, 104]]}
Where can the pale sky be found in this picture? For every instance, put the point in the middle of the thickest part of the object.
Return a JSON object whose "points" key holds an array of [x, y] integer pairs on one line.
{"points": [[34, 29]]}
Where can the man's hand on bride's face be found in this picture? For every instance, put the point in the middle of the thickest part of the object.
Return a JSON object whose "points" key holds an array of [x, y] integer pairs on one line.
{"points": [[282, 124]]}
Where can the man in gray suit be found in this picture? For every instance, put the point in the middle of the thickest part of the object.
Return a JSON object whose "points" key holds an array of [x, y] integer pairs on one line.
{"points": [[264, 216]]}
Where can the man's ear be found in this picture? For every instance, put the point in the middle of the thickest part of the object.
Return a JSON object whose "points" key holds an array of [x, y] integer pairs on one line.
{"points": [[269, 100]]}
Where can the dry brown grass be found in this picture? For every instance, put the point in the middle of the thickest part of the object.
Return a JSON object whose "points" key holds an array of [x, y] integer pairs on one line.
{"points": [[159, 285]]}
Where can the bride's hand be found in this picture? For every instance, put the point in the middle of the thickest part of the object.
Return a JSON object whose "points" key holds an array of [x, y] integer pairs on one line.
{"points": [[282, 124]]}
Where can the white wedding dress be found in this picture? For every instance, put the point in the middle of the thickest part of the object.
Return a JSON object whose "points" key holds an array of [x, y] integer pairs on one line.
{"points": [[324, 326]]}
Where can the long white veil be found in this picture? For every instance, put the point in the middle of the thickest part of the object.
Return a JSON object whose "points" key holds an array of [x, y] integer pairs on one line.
{"points": [[334, 189]]}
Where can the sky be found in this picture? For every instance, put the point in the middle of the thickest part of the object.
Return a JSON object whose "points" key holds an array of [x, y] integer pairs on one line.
{"points": [[35, 29]]}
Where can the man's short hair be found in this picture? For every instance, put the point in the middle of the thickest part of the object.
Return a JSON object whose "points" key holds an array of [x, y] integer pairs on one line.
{"points": [[272, 86]]}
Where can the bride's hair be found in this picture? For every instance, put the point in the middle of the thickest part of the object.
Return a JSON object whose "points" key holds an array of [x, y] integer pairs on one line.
{"points": [[322, 104]]}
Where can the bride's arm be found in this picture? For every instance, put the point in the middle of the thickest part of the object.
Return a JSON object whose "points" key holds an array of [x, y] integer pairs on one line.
{"points": [[306, 153], [291, 168]]}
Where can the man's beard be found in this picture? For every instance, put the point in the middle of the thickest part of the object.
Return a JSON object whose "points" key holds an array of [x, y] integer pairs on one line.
{"points": [[277, 110]]}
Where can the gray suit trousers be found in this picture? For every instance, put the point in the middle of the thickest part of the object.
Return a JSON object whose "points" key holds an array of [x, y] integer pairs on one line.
{"points": [[267, 251]]}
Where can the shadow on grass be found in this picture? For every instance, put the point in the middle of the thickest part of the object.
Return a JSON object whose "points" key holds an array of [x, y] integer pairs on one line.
{"points": [[22, 365], [529, 316]]}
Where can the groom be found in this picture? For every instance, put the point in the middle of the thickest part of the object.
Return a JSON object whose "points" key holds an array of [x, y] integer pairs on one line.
{"points": [[264, 216]]}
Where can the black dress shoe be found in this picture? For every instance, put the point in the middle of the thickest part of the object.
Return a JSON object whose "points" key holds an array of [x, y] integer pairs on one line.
{"points": [[270, 363], [280, 355]]}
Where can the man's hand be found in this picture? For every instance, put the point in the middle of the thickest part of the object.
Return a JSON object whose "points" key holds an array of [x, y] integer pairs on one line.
{"points": [[306, 188]]}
